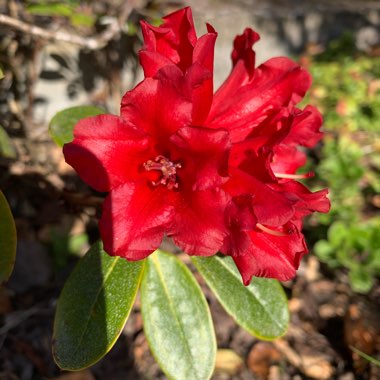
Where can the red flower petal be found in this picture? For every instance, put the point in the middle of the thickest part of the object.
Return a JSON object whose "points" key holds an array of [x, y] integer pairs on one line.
{"points": [[239, 218], [203, 154], [305, 201], [202, 94], [134, 220], [247, 157], [243, 59], [175, 42], [269, 206], [287, 159], [152, 62], [204, 49], [254, 155], [174, 39], [306, 127], [159, 106], [277, 83], [106, 151], [198, 226], [304, 130], [199, 86], [271, 256], [243, 51]]}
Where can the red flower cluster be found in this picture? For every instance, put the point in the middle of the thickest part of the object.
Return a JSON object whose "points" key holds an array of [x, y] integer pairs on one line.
{"points": [[215, 172]]}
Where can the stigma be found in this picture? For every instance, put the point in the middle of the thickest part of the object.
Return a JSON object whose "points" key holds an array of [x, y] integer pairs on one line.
{"points": [[168, 170]]}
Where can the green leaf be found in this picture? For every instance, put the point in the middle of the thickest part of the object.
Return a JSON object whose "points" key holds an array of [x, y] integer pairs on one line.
{"points": [[7, 149], [365, 356], [50, 9], [1, 73], [324, 251], [93, 308], [62, 124], [177, 320], [82, 19], [7, 240], [337, 233], [360, 279], [260, 308]]}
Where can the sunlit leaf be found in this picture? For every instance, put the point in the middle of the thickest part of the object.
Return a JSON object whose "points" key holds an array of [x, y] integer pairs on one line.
{"points": [[93, 308], [177, 321], [260, 308], [62, 124]]}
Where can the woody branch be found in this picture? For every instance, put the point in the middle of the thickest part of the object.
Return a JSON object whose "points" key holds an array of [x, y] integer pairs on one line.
{"points": [[92, 43]]}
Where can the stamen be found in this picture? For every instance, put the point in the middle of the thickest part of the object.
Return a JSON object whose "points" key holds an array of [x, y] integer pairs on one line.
{"points": [[294, 176], [168, 170], [270, 231]]}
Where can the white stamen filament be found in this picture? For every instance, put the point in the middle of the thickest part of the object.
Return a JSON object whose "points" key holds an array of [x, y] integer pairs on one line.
{"points": [[270, 231], [294, 176]]}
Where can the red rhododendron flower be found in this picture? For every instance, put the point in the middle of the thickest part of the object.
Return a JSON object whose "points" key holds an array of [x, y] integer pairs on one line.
{"points": [[216, 172]]}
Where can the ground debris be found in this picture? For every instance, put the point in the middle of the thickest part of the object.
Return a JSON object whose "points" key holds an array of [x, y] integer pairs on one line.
{"points": [[81, 375], [228, 361]]}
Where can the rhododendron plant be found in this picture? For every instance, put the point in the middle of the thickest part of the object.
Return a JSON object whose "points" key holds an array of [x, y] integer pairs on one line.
{"points": [[216, 172]]}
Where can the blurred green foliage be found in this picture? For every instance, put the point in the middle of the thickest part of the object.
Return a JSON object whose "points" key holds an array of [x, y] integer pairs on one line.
{"points": [[63, 245], [347, 91], [73, 10], [7, 148], [356, 247]]}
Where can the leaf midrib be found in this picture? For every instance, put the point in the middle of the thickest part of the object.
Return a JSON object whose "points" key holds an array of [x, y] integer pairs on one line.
{"points": [[157, 264]]}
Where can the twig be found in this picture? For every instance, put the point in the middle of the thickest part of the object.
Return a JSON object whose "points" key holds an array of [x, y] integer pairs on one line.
{"points": [[92, 43]]}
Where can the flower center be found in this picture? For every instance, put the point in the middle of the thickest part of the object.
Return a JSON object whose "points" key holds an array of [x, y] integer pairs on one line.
{"points": [[168, 170]]}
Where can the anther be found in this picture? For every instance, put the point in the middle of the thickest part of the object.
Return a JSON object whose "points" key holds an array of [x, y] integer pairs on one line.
{"points": [[168, 170]]}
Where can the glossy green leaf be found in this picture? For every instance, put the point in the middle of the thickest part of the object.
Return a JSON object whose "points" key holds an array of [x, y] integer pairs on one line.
{"points": [[260, 308], [177, 320], [7, 148], [62, 124], [93, 308], [1, 73], [7, 240]]}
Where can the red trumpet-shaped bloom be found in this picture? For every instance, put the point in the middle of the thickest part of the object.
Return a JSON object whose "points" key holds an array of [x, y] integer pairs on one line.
{"points": [[216, 172]]}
